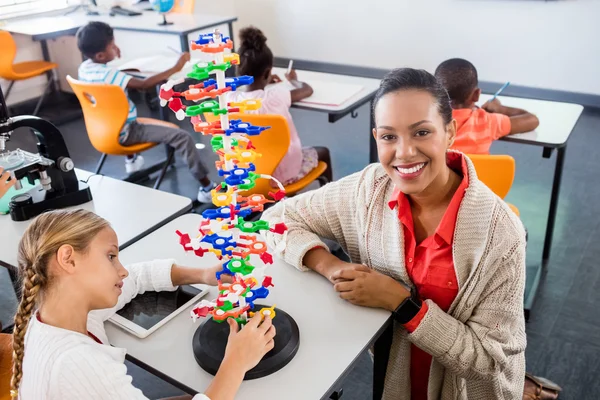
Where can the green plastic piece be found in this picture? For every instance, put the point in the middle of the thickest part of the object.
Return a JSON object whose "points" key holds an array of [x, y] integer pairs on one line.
{"points": [[252, 177], [217, 142], [244, 268], [251, 226]]}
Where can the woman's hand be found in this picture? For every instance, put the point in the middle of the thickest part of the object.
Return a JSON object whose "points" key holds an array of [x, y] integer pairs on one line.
{"points": [[366, 287], [250, 344], [4, 183], [209, 275]]}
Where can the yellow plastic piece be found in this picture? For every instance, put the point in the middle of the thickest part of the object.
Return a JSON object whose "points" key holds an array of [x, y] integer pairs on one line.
{"points": [[247, 105], [232, 58], [221, 199]]}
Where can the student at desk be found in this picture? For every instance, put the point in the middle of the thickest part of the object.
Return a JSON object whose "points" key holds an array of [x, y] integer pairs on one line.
{"points": [[96, 41], [256, 60], [478, 127], [430, 243], [72, 282]]}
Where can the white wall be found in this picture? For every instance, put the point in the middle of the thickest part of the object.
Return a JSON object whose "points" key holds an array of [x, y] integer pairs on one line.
{"points": [[550, 44]]}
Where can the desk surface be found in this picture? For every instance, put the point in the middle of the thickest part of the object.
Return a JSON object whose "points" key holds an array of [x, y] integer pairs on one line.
{"points": [[557, 120], [369, 87], [45, 27], [332, 332], [132, 210]]}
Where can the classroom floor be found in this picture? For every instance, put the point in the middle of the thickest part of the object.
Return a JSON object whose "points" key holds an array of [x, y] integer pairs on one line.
{"points": [[564, 329]]}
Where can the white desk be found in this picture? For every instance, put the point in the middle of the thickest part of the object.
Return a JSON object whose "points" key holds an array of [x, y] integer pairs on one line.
{"points": [[557, 121], [43, 28], [330, 339], [132, 210]]}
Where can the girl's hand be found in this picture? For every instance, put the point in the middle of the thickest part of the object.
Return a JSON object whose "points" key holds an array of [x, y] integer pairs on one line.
{"points": [[274, 79], [250, 344], [366, 287], [4, 183], [209, 275], [292, 76]]}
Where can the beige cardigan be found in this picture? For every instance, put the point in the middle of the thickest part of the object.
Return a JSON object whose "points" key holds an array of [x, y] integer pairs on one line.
{"points": [[478, 347]]}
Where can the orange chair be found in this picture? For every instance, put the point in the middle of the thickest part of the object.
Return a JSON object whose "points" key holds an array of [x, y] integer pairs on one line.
{"points": [[105, 108], [497, 172], [184, 7], [273, 144], [5, 365], [13, 72]]}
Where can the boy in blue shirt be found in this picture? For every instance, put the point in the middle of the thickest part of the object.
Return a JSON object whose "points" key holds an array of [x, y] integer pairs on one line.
{"points": [[96, 41]]}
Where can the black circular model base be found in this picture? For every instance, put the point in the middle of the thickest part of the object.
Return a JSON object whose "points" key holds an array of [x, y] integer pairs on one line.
{"points": [[210, 341]]}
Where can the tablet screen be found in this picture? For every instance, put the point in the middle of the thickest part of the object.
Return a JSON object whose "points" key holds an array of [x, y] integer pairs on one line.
{"points": [[148, 309]]}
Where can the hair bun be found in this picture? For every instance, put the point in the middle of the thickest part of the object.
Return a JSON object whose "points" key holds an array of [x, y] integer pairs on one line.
{"points": [[252, 38]]}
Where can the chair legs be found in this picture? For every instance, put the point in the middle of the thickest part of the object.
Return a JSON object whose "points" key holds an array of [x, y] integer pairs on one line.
{"points": [[8, 89], [41, 100], [163, 171], [100, 163]]}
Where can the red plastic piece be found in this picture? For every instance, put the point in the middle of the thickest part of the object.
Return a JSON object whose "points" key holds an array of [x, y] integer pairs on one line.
{"points": [[202, 312], [176, 104], [279, 228], [280, 194], [184, 238], [268, 281], [266, 258]]}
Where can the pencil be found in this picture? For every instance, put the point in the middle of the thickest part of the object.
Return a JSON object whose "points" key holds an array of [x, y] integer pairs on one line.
{"points": [[290, 66], [499, 91]]}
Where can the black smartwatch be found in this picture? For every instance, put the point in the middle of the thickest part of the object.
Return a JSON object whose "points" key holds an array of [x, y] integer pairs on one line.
{"points": [[409, 307]]}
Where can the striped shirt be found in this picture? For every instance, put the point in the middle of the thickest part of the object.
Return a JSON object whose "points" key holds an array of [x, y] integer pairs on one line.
{"points": [[90, 71]]}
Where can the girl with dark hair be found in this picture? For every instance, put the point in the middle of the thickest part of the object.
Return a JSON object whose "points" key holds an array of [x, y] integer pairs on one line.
{"points": [[430, 243], [256, 60]]}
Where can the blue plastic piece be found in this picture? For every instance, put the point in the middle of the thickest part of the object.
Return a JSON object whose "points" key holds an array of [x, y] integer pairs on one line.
{"points": [[206, 38], [225, 212], [220, 243], [236, 176], [233, 83], [239, 126], [259, 293], [225, 270]]}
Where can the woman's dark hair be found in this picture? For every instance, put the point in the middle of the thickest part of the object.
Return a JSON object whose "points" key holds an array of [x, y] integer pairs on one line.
{"points": [[93, 38], [255, 55], [415, 79]]}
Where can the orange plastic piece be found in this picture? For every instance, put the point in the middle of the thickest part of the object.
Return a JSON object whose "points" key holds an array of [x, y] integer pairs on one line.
{"points": [[497, 172], [105, 109], [212, 47], [231, 313], [22, 70]]}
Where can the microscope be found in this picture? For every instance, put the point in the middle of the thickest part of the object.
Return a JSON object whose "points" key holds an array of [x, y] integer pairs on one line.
{"points": [[52, 166]]}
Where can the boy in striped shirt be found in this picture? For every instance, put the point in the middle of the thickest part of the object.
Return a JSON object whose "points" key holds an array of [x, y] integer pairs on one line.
{"points": [[477, 128], [96, 42]]}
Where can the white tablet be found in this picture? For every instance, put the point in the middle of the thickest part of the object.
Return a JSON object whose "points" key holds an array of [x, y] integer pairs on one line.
{"points": [[147, 312]]}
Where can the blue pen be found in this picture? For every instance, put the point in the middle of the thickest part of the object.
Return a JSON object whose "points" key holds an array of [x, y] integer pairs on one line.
{"points": [[499, 91]]}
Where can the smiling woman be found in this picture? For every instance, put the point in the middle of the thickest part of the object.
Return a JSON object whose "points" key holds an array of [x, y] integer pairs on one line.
{"points": [[428, 242]]}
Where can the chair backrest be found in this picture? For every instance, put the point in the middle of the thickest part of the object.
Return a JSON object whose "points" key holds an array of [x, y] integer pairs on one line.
{"points": [[105, 108], [272, 144], [9, 51], [184, 7], [496, 171], [5, 365]]}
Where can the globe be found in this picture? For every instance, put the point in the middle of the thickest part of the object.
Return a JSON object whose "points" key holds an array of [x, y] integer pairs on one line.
{"points": [[162, 6]]}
